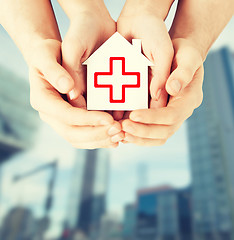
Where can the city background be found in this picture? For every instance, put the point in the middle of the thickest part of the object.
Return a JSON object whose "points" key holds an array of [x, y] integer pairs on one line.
{"points": [[183, 190]]}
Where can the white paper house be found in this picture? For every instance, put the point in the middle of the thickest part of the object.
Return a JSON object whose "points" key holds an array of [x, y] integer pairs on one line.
{"points": [[117, 76]]}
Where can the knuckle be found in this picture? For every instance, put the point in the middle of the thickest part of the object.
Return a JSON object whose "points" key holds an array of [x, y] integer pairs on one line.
{"points": [[186, 73], [49, 67]]}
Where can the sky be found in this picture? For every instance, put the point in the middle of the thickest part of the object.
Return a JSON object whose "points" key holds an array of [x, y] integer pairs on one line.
{"points": [[168, 164]]}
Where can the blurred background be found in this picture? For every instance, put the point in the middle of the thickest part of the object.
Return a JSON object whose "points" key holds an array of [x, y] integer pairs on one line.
{"points": [[183, 190]]}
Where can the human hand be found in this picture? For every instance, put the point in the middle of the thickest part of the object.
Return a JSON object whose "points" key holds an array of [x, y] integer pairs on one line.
{"points": [[90, 26], [82, 128], [152, 127], [142, 20]]}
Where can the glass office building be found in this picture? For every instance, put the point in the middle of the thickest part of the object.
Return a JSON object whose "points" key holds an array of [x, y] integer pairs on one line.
{"points": [[87, 200], [18, 120], [163, 213], [211, 143], [129, 222]]}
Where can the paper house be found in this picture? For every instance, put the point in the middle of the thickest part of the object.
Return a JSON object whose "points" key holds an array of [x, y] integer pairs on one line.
{"points": [[117, 76]]}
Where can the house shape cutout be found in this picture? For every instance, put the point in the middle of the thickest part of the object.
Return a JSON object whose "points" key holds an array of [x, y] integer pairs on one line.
{"points": [[117, 76]]}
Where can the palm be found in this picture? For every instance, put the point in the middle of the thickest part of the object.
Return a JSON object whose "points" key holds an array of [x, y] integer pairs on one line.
{"points": [[85, 35]]}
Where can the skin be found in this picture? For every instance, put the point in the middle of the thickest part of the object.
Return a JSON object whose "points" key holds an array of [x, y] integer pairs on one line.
{"points": [[41, 47], [191, 38], [52, 73], [152, 127], [145, 20]]}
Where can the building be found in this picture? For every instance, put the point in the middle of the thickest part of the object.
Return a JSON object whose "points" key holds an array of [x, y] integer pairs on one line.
{"points": [[142, 175], [87, 200], [211, 139], [19, 223], [129, 222], [110, 228], [18, 120], [163, 213]]}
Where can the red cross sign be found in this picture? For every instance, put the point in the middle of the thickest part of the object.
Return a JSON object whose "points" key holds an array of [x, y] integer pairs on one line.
{"points": [[117, 80]]}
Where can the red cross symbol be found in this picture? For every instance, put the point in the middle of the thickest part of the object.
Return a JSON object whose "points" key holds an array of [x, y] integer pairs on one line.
{"points": [[115, 80]]}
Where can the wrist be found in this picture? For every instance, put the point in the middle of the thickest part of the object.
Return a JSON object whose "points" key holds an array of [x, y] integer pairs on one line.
{"points": [[186, 42], [201, 47], [41, 47], [74, 8], [156, 8]]}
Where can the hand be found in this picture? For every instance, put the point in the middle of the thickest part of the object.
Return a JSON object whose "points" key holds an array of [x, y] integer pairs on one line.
{"points": [[152, 127], [140, 20], [82, 128], [90, 27]]}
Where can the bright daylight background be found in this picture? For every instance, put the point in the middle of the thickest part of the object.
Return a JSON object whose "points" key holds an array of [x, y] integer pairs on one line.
{"points": [[165, 165]]}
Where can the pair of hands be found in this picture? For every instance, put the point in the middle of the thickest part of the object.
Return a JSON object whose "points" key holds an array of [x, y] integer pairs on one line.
{"points": [[57, 68]]}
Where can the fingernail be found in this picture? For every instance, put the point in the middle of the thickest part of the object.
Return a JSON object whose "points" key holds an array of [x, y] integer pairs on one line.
{"points": [[64, 84], [175, 86], [116, 138], [158, 95], [72, 94], [113, 130]]}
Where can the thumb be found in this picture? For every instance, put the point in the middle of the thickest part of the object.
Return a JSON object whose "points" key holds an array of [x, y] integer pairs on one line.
{"points": [[160, 73], [73, 51], [57, 76], [186, 62], [46, 59], [161, 54]]}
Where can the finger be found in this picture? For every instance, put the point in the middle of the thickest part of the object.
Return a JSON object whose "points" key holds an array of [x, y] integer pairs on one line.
{"points": [[79, 102], [118, 115], [178, 109], [96, 145], [74, 52], [157, 47], [56, 75], [161, 54], [126, 115], [161, 116], [170, 115], [47, 59], [84, 137], [148, 130], [44, 98], [160, 102], [186, 62], [84, 134], [143, 141]]}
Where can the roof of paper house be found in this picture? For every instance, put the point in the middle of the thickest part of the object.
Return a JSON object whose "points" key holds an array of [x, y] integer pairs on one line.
{"points": [[119, 45]]}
